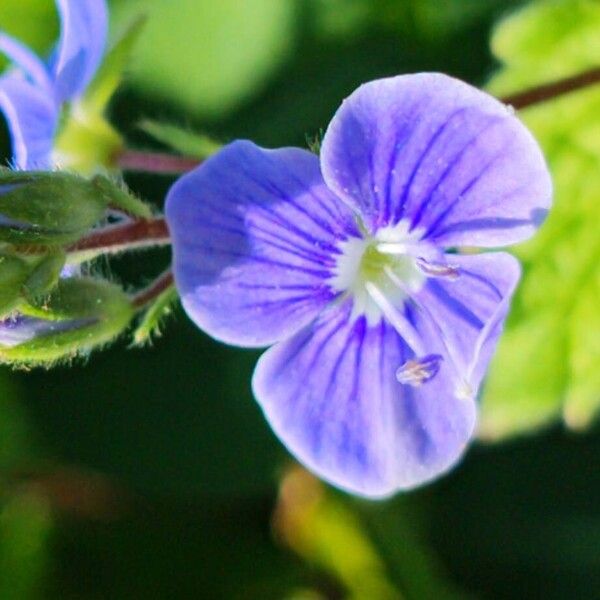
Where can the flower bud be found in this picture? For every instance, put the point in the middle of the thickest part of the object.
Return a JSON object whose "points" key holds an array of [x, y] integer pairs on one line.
{"points": [[79, 315], [46, 208]]}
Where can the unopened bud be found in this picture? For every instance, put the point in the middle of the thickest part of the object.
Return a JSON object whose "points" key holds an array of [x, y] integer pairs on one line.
{"points": [[46, 208], [79, 315]]}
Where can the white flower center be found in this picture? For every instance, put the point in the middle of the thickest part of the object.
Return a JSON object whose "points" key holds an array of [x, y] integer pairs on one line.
{"points": [[381, 271]]}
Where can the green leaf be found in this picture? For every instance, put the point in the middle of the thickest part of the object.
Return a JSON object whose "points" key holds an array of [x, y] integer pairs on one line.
{"points": [[544, 41], [206, 56], [547, 363], [182, 140], [154, 316], [526, 384]]}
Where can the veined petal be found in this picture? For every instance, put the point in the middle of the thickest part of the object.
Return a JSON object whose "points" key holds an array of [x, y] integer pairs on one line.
{"points": [[331, 395], [469, 313], [254, 237], [32, 118], [26, 60], [84, 30], [451, 159]]}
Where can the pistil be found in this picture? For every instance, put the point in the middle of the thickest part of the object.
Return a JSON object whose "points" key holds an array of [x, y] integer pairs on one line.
{"points": [[400, 323]]}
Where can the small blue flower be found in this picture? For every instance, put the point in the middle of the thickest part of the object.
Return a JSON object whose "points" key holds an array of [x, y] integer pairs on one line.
{"points": [[33, 93], [349, 265]]}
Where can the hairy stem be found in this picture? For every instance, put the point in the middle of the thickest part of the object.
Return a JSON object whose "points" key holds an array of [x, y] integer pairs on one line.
{"points": [[133, 235], [549, 91], [156, 162], [153, 291]]}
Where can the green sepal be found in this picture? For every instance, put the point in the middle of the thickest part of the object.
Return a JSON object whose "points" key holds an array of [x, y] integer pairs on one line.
{"points": [[118, 196], [86, 141], [25, 278], [45, 274], [82, 314], [46, 208], [13, 274], [154, 316], [181, 140]]}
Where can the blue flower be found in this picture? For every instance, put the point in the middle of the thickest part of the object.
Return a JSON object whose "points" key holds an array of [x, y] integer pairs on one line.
{"points": [[33, 93], [350, 265]]}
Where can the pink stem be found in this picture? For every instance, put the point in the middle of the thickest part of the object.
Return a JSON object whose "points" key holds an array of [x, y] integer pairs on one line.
{"points": [[156, 162], [131, 233], [549, 91], [154, 290]]}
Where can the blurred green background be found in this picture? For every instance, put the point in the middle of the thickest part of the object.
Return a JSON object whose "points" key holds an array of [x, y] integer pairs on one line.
{"points": [[151, 473]]}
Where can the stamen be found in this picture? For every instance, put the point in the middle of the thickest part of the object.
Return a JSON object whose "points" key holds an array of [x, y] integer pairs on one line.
{"points": [[463, 388], [425, 311], [418, 371], [432, 269], [400, 323]]}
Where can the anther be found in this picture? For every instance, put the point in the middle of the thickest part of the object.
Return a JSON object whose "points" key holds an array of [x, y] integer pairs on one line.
{"points": [[418, 371], [431, 269]]}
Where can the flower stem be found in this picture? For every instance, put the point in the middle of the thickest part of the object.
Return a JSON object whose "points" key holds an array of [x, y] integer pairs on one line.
{"points": [[549, 91], [156, 162], [153, 291], [142, 233]]}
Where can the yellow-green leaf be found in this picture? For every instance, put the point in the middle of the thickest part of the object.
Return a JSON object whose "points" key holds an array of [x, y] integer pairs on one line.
{"points": [[180, 139], [549, 358]]}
